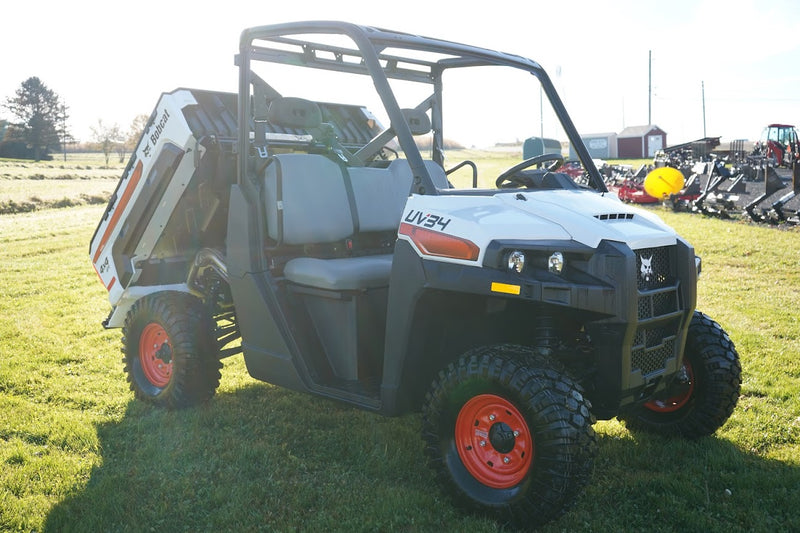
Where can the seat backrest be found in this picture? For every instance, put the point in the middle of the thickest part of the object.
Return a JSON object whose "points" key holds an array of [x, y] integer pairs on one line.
{"points": [[380, 194], [290, 112], [306, 200]]}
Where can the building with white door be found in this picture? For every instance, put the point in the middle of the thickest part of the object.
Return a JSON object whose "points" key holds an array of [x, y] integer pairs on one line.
{"points": [[638, 142]]}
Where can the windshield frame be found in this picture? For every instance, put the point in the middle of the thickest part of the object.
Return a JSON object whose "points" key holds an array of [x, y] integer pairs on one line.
{"points": [[383, 55]]}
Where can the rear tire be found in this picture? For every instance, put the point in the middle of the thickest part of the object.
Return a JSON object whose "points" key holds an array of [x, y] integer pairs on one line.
{"points": [[702, 400], [510, 433], [170, 350]]}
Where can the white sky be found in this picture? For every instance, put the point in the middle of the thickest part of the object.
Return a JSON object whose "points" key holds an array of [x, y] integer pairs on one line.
{"points": [[112, 60]]}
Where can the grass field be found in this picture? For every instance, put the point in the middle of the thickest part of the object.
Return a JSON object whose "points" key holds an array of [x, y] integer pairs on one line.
{"points": [[81, 179], [77, 453]]}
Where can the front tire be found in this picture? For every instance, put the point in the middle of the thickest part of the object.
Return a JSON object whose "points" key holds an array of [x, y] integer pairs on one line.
{"points": [[170, 350], [510, 433], [703, 396]]}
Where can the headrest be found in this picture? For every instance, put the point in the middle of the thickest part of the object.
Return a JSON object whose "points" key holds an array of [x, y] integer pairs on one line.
{"points": [[418, 121], [290, 112]]}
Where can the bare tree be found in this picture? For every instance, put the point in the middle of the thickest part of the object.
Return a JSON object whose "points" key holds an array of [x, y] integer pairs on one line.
{"points": [[63, 131], [135, 130], [107, 137]]}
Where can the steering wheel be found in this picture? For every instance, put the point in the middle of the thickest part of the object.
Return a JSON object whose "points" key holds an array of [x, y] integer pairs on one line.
{"points": [[509, 175]]}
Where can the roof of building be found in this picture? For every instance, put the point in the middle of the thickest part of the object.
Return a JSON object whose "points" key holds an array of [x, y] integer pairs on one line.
{"points": [[639, 131]]}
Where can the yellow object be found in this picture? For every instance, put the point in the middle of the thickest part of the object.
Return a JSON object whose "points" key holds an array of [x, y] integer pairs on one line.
{"points": [[505, 288], [663, 181]]}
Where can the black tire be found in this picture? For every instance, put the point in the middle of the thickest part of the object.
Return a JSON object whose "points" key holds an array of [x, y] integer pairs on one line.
{"points": [[702, 402], [170, 350], [505, 402]]}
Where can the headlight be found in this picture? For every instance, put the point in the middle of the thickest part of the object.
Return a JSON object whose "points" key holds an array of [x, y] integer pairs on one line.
{"points": [[516, 261], [555, 263]]}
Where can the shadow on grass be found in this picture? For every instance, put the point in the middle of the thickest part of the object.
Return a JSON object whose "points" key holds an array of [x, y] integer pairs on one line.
{"points": [[264, 458], [258, 458]]}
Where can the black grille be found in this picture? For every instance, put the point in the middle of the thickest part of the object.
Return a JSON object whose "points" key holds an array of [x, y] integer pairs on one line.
{"points": [[659, 311], [649, 360], [654, 269], [658, 304]]}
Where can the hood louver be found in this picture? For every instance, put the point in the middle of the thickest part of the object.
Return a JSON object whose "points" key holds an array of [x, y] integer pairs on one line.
{"points": [[615, 216]]}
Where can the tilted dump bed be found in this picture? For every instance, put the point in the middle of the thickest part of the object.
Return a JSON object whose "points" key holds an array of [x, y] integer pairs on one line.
{"points": [[172, 198]]}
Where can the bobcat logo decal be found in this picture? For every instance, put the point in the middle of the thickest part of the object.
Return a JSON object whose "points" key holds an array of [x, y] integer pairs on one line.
{"points": [[646, 270]]}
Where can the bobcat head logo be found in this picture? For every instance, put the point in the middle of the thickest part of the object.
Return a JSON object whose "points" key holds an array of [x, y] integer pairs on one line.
{"points": [[646, 270]]}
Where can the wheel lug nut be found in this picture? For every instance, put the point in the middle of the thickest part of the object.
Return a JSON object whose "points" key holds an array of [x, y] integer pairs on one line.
{"points": [[506, 460], [492, 417], [483, 444], [516, 433]]}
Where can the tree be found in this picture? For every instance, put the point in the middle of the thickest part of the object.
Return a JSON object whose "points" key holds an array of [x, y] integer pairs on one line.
{"points": [[132, 136], [106, 137], [63, 131], [39, 113], [136, 129]]}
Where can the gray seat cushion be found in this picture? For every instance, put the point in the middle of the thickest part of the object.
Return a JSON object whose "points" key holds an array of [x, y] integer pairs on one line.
{"points": [[348, 273]]}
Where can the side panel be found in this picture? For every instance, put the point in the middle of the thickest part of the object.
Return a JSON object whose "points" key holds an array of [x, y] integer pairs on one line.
{"points": [[137, 185], [143, 212], [406, 288], [266, 351]]}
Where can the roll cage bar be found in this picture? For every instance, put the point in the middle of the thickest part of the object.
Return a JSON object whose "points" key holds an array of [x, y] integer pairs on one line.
{"points": [[377, 56]]}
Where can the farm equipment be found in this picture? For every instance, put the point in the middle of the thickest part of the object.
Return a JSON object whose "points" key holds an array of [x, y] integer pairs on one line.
{"points": [[711, 201], [683, 156], [629, 185], [775, 214], [779, 144], [319, 242]]}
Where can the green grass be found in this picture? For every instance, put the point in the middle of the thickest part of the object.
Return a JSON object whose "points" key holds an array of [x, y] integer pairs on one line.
{"points": [[82, 179], [77, 453]]}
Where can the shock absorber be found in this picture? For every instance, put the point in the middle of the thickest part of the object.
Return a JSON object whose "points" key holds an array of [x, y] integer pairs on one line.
{"points": [[546, 336]]}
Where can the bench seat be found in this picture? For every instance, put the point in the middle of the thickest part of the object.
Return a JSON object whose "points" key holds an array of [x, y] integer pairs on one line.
{"points": [[342, 274], [311, 200]]}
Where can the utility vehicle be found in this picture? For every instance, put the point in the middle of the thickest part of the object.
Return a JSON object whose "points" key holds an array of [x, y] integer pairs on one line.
{"points": [[313, 223]]}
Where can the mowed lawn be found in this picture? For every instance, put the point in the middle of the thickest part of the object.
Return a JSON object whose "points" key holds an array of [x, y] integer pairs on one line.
{"points": [[77, 453]]}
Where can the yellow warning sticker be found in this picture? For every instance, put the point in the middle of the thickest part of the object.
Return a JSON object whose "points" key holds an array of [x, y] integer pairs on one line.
{"points": [[505, 288]]}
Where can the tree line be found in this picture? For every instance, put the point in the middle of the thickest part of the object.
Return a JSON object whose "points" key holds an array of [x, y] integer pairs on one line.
{"points": [[39, 126]]}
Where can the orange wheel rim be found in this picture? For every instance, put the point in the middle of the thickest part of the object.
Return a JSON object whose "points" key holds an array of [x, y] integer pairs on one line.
{"points": [[155, 355], [494, 441], [677, 400]]}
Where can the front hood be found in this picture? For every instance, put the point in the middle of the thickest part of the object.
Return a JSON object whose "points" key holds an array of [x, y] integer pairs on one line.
{"points": [[582, 216], [590, 217]]}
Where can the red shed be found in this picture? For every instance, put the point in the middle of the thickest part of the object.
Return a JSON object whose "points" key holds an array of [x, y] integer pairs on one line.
{"points": [[637, 142]]}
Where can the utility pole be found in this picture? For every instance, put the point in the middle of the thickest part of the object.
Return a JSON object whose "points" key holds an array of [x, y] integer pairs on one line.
{"points": [[703, 89], [649, 87]]}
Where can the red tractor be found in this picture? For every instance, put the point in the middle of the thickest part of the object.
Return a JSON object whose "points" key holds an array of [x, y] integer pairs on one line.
{"points": [[779, 142]]}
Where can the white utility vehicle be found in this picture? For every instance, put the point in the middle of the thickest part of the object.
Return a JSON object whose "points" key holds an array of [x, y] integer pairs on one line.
{"points": [[337, 249]]}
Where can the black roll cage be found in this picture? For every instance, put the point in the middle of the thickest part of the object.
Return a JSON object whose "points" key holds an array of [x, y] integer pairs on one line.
{"points": [[273, 43]]}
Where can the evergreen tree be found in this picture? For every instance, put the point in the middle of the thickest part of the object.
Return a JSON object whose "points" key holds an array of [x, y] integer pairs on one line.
{"points": [[39, 115]]}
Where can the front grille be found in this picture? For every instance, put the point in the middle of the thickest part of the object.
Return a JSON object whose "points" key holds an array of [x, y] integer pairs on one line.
{"points": [[653, 305], [659, 311], [654, 268], [650, 360]]}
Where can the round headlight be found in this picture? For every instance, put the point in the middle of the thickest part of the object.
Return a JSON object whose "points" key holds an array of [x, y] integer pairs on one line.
{"points": [[516, 261], [555, 263]]}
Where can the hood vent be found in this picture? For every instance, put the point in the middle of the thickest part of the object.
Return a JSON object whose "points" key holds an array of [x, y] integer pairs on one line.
{"points": [[615, 216]]}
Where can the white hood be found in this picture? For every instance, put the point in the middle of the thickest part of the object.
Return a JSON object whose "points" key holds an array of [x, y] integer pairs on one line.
{"points": [[577, 215], [589, 217]]}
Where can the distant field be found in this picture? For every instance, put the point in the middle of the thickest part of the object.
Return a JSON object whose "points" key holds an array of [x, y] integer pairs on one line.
{"points": [[81, 179], [85, 178]]}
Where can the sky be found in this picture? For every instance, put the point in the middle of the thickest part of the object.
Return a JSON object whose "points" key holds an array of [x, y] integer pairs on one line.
{"points": [[739, 59]]}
